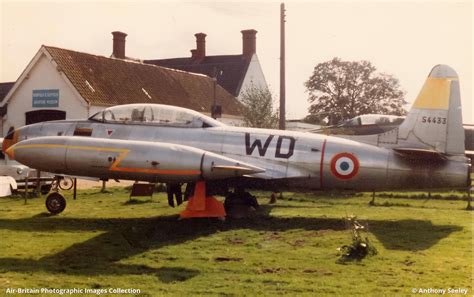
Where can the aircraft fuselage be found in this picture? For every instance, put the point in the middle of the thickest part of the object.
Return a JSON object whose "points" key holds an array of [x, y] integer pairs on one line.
{"points": [[292, 160]]}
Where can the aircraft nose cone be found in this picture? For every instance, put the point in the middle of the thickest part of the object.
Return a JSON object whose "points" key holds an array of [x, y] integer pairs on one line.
{"points": [[8, 142]]}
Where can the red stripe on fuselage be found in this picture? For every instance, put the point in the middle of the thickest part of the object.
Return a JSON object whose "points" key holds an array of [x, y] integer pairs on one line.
{"points": [[322, 164]]}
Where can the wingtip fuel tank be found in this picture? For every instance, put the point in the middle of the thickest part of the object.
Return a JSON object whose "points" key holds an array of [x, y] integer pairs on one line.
{"points": [[120, 159]]}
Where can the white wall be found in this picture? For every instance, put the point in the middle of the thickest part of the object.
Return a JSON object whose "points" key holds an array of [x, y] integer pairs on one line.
{"points": [[95, 109], [253, 76], [300, 126], [42, 76], [231, 120]]}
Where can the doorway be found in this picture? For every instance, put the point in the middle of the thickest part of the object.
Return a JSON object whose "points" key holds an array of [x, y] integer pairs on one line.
{"points": [[44, 115]]}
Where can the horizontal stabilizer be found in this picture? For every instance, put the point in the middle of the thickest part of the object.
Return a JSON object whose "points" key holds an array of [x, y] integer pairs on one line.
{"points": [[420, 153]]}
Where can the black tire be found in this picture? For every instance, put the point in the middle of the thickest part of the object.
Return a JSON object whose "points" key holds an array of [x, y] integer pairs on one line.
{"points": [[251, 200], [55, 203], [254, 202], [45, 189], [66, 183]]}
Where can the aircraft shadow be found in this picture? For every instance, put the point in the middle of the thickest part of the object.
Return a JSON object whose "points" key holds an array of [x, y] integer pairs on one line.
{"points": [[410, 235], [123, 238]]}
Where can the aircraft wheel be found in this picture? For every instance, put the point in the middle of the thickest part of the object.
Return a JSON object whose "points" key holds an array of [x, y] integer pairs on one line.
{"points": [[66, 183], [55, 203], [240, 205], [252, 200], [240, 199]]}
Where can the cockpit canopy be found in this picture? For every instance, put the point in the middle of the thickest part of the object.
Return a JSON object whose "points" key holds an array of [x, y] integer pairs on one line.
{"points": [[372, 119], [154, 114]]}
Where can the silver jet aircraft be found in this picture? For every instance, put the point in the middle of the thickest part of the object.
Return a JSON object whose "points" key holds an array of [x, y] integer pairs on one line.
{"points": [[159, 143]]}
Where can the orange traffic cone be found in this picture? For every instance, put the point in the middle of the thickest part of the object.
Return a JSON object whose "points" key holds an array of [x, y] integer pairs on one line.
{"points": [[200, 206]]}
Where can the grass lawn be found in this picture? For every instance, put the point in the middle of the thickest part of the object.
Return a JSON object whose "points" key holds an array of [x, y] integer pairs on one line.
{"points": [[100, 241]]}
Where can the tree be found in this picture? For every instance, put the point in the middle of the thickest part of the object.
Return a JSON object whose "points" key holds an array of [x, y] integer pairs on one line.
{"points": [[340, 90], [258, 108]]}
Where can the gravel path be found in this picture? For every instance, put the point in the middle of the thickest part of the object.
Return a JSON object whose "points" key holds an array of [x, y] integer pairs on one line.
{"points": [[89, 184]]}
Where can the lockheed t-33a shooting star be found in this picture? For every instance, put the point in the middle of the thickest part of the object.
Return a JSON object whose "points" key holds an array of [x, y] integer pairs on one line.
{"points": [[159, 143]]}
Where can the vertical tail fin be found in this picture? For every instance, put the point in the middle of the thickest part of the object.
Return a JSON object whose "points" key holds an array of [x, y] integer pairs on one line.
{"points": [[435, 120]]}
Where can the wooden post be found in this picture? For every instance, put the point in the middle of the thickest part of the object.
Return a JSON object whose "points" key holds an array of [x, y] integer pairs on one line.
{"points": [[469, 207], [372, 202], [273, 198], [75, 188], [26, 188], [103, 186]]}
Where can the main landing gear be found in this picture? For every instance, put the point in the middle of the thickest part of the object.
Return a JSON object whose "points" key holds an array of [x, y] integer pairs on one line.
{"points": [[200, 205], [240, 203]]}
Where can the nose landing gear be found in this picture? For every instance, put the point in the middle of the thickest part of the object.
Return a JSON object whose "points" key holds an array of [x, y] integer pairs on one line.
{"points": [[55, 203]]}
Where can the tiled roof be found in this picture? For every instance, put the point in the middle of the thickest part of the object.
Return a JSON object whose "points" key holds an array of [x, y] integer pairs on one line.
{"points": [[4, 89], [230, 69], [109, 81]]}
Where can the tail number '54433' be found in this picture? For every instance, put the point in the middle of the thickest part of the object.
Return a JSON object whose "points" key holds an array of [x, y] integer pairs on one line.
{"points": [[285, 146]]}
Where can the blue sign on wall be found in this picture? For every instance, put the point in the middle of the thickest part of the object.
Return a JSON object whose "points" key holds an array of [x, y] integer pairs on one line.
{"points": [[46, 98]]}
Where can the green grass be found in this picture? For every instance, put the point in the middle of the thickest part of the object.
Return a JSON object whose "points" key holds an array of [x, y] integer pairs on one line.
{"points": [[102, 241]]}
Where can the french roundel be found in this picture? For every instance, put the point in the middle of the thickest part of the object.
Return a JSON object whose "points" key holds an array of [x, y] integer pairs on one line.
{"points": [[344, 166]]}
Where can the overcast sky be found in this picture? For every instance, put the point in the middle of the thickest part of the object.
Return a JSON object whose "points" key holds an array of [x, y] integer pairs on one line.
{"points": [[402, 38]]}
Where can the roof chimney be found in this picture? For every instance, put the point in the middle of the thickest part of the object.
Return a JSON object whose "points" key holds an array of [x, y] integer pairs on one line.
{"points": [[200, 45], [249, 42], [119, 45]]}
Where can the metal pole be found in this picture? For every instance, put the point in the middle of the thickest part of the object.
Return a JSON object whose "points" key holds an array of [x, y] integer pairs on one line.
{"points": [[282, 67], [214, 108], [75, 188], [214, 79]]}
